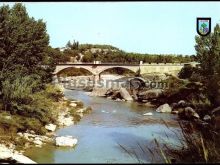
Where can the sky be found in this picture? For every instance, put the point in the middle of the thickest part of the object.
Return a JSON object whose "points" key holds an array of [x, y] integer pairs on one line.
{"points": [[141, 27]]}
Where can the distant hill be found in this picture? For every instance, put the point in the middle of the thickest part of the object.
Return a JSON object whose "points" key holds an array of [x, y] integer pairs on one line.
{"points": [[75, 52]]}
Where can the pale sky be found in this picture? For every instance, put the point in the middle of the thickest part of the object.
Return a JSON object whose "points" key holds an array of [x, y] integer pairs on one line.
{"points": [[143, 27]]}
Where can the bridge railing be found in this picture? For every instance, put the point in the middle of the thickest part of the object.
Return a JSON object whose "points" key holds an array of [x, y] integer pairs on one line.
{"points": [[108, 63], [163, 63]]}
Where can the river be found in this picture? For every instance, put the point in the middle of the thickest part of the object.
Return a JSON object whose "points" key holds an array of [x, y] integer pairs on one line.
{"points": [[109, 124]]}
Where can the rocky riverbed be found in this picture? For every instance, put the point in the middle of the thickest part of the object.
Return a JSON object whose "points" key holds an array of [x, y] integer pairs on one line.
{"points": [[184, 98]]}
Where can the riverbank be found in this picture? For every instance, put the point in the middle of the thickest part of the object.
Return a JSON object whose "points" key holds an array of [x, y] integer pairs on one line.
{"points": [[69, 112], [111, 123]]}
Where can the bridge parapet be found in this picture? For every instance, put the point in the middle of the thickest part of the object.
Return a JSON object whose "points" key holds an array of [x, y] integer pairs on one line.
{"points": [[174, 64]]}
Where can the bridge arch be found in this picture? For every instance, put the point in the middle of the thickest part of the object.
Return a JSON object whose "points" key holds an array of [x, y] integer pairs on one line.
{"points": [[133, 70], [73, 67], [63, 67]]}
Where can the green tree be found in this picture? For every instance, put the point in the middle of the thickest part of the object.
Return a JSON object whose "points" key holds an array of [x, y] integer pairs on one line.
{"points": [[208, 52], [25, 40]]}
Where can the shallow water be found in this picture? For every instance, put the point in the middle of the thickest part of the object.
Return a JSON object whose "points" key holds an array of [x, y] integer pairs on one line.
{"points": [[108, 126]]}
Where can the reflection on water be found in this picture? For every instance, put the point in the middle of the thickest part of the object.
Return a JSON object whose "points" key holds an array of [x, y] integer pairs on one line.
{"points": [[109, 125]]}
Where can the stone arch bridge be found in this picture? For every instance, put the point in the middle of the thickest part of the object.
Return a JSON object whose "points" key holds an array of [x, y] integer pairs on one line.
{"points": [[96, 68]]}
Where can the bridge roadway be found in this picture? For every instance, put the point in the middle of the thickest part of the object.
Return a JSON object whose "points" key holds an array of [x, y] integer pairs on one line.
{"points": [[96, 68]]}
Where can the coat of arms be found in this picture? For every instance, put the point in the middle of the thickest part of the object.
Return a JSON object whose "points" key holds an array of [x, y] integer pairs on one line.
{"points": [[203, 26]]}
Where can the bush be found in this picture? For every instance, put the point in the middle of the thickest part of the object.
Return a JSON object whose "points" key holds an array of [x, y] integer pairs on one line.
{"points": [[12, 125], [35, 125], [19, 123], [186, 72], [198, 145], [34, 106], [53, 92]]}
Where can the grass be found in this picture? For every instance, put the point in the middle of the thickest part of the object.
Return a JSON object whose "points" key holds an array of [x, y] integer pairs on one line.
{"points": [[199, 145], [193, 146]]}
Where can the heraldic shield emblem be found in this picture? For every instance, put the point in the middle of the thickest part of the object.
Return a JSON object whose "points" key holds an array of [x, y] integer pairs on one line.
{"points": [[203, 26]]}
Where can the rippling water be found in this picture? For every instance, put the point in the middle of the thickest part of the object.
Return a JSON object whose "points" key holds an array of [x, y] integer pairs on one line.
{"points": [[100, 133]]}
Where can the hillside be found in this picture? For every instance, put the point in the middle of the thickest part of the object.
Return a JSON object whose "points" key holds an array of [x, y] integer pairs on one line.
{"points": [[75, 52]]}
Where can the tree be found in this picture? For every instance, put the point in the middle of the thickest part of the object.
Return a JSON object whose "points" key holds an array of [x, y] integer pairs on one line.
{"points": [[208, 52], [23, 42], [4, 33], [26, 40], [72, 46]]}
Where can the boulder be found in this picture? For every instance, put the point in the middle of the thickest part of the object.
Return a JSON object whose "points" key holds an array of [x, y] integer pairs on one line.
{"points": [[174, 105], [116, 94], [64, 119], [99, 91], [37, 141], [188, 113], [19, 158], [164, 108], [68, 121], [182, 103], [10, 154], [207, 118], [5, 153], [67, 141], [28, 136], [32, 132], [82, 110], [50, 127], [191, 112], [73, 104], [175, 112], [125, 94], [46, 139], [150, 94], [19, 134]]}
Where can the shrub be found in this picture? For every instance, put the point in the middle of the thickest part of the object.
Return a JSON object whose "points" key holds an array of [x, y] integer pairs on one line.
{"points": [[35, 125], [186, 72], [53, 92], [74, 114], [198, 145], [36, 106]]}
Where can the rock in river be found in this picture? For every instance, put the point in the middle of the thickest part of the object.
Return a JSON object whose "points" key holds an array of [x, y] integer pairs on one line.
{"points": [[182, 103], [68, 141], [164, 108], [98, 91], [125, 94], [148, 114], [150, 94], [188, 113]]}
